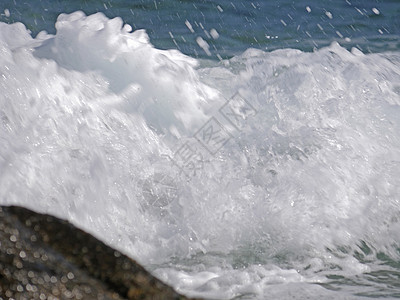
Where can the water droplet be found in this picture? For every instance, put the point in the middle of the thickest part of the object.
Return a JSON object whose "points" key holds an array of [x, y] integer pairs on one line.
{"points": [[376, 11]]}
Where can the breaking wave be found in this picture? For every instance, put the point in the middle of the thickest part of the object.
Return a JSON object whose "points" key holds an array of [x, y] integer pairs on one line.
{"points": [[268, 174]]}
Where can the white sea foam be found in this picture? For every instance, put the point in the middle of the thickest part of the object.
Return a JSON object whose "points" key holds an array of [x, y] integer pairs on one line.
{"points": [[91, 117]]}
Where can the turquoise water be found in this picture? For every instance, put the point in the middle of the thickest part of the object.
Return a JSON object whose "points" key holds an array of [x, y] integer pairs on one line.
{"points": [[287, 111]]}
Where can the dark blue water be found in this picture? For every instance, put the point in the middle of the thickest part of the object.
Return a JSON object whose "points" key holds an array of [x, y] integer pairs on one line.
{"points": [[371, 26]]}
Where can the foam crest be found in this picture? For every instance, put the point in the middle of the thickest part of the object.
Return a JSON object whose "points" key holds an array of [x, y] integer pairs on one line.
{"points": [[149, 80]]}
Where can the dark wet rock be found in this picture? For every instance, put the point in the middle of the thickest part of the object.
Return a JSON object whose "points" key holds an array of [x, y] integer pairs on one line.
{"points": [[42, 257]]}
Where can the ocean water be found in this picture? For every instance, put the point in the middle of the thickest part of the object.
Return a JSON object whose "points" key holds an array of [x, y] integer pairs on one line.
{"points": [[371, 26], [238, 150]]}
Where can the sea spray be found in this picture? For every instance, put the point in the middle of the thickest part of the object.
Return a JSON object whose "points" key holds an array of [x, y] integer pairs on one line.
{"points": [[307, 190]]}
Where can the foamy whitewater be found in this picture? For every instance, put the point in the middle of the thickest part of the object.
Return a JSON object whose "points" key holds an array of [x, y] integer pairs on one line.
{"points": [[302, 200]]}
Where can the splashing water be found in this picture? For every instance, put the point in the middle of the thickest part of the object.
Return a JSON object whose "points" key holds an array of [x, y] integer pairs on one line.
{"points": [[302, 200]]}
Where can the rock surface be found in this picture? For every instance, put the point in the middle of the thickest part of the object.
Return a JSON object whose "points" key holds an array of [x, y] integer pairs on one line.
{"points": [[42, 257]]}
